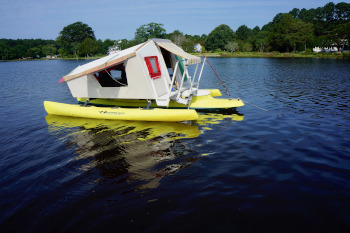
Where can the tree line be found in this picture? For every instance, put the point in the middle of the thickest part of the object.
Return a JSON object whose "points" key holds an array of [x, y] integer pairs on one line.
{"points": [[14, 49], [298, 30]]}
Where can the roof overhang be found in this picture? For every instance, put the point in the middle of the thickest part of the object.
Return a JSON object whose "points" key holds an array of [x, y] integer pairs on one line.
{"points": [[114, 59], [101, 64], [173, 48], [95, 69]]}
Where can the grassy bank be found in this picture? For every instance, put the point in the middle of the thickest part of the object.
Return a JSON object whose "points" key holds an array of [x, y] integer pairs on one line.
{"points": [[339, 55]]}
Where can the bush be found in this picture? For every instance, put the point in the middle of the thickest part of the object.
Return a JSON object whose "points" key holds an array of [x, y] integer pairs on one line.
{"points": [[308, 51], [346, 55]]}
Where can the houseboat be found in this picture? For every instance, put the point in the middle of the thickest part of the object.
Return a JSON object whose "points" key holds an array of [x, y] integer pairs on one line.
{"points": [[147, 82]]}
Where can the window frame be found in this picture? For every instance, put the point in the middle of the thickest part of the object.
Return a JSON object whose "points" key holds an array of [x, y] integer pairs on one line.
{"points": [[153, 74], [104, 82]]}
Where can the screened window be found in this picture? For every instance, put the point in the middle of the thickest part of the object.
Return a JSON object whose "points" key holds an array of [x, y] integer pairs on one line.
{"points": [[112, 77]]}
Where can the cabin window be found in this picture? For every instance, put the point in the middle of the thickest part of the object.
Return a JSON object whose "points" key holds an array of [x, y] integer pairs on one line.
{"points": [[153, 67], [112, 77]]}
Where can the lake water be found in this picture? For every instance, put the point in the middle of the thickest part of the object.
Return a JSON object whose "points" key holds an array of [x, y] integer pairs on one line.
{"points": [[282, 170]]}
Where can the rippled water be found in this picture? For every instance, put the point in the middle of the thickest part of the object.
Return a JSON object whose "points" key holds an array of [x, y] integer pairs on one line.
{"points": [[284, 170]]}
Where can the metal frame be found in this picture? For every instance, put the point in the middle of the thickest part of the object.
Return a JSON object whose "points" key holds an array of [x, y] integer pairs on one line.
{"points": [[194, 84]]}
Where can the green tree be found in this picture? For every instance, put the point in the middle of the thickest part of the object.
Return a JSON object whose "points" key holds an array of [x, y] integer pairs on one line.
{"points": [[102, 47], [280, 37], [124, 43], [271, 25], [243, 32], [261, 41], [324, 19], [328, 16], [295, 12], [188, 45], [75, 48], [231, 46], [88, 47], [219, 37], [246, 47], [35, 52], [329, 11], [177, 37], [19, 51], [342, 12], [73, 35], [256, 30], [298, 33], [30, 53], [49, 49], [14, 49], [340, 36], [305, 32], [147, 31], [289, 33], [4, 49], [195, 39]]}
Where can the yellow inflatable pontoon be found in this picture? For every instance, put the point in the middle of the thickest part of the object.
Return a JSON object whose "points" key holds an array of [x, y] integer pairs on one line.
{"points": [[131, 114], [199, 103]]}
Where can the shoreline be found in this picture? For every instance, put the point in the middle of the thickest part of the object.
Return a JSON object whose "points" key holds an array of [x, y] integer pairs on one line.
{"points": [[345, 55], [337, 55]]}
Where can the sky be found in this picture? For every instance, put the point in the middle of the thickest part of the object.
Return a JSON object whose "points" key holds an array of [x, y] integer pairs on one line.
{"points": [[115, 19]]}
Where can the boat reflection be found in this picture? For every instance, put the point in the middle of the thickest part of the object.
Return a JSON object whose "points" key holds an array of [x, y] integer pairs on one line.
{"points": [[137, 152], [216, 118]]}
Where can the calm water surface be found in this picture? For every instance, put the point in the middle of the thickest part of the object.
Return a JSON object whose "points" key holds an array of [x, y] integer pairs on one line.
{"points": [[285, 170]]}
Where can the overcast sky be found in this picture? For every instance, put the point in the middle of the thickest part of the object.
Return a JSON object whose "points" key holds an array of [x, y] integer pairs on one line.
{"points": [[114, 19]]}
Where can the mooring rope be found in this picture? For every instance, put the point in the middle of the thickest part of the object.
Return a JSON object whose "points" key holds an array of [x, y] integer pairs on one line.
{"points": [[217, 76], [254, 105], [114, 78], [226, 88]]}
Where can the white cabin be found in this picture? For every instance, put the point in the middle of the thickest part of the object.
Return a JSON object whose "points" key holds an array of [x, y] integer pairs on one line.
{"points": [[144, 71]]}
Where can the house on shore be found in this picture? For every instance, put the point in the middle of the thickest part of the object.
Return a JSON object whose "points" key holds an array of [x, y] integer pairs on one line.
{"points": [[198, 48], [344, 47], [325, 49]]}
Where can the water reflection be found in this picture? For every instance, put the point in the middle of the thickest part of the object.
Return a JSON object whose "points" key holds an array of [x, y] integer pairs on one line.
{"points": [[206, 119], [135, 152]]}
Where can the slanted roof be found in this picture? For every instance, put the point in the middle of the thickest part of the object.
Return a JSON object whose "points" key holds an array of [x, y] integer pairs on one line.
{"points": [[120, 56], [102, 63], [173, 48]]}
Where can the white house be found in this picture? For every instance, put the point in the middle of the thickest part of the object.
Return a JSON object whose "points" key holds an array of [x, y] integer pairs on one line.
{"points": [[325, 49], [197, 48]]}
